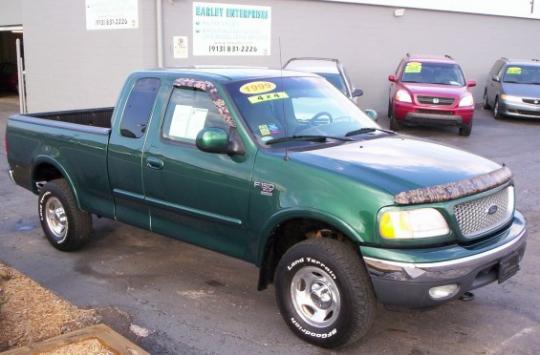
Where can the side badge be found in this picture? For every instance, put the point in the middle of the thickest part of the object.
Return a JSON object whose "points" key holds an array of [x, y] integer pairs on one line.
{"points": [[267, 189]]}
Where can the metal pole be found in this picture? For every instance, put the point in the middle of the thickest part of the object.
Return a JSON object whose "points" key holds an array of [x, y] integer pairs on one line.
{"points": [[159, 32], [20, 77]]}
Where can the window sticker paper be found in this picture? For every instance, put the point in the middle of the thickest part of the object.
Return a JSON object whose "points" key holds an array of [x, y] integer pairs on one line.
{"points": [[187, 122]]}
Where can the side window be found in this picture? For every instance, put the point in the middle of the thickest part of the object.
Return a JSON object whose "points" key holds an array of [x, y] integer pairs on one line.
{"points": [[139, 107], [188, 112]]}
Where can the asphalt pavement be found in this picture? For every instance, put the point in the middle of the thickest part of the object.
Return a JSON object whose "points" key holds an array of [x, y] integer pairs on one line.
{"points": [[197, 301]]}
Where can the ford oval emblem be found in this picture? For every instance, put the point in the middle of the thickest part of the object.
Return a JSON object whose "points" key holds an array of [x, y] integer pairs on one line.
{"points": [[492, 210]]}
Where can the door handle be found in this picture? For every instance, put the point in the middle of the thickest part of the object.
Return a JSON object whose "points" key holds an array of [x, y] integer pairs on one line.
{"points": [[154, 163]]}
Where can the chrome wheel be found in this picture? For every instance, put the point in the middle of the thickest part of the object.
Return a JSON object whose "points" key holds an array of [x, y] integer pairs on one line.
{"points": [[56, 218], [315, 296], [496, 109]]}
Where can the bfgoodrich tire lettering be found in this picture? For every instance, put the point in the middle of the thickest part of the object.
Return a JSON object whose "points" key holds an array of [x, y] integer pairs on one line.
{"points": [[78, 224], [332, 264]]}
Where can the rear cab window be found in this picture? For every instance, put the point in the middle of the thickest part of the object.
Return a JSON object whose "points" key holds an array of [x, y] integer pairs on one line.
{"points": [[139, 107]]}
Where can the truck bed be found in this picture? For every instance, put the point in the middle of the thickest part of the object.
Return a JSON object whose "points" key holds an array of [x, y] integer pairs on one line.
{"points": [[97, 117], [74, 142]]}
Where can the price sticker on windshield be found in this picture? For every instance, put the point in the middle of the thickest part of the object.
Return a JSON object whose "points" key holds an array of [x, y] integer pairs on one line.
{"points": [[413, 68], [257, 87], [513, 71]]}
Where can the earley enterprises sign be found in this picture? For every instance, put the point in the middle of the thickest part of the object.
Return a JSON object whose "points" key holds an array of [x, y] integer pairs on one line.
{"points": [[231, 30], [111, 14]]}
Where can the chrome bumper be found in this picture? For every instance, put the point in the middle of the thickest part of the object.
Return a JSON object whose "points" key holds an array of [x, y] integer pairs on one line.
{"points": [[444, 270]]}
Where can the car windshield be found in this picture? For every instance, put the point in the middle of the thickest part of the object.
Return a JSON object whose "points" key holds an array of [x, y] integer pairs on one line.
{"points": [[433, 73], [522, 74], [296, 106], [335, 79]]}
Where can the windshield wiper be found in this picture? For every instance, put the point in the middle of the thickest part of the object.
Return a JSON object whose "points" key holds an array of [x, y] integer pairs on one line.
{"points": [[368, 130], [311, 138]]}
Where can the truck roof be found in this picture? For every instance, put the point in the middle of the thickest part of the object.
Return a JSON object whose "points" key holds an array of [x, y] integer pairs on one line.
{"points": [[224, 74]]}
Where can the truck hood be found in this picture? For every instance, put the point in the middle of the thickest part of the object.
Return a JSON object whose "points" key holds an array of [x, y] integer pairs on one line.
{"points": [[435, 89], [522, 90], [397, 163]]}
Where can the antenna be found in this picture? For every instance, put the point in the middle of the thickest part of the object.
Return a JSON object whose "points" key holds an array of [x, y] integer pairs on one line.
{"points": [[283, 103]]}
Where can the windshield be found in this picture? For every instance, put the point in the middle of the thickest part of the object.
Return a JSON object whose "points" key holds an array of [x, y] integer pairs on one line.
{"points": [[522, 74], [336, 80], [296, 106], [433, 73]]}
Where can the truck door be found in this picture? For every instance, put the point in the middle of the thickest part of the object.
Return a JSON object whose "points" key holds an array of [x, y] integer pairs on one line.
{"points": [[125, 150], [195, 196]]}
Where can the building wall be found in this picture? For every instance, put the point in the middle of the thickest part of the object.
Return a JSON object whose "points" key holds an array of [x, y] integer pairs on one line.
{"points": [[10, 12], [70, 67]]}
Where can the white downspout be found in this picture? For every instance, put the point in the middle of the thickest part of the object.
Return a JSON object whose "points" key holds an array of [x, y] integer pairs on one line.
{"points": [[159, 32]]}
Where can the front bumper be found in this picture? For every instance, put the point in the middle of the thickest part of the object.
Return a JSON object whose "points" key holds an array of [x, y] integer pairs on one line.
{"points": [[404, 277], [522, 110], [417, 114]]}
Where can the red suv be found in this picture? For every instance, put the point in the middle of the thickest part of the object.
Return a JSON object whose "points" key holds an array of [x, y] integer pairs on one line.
{"points": [[430, 90]]}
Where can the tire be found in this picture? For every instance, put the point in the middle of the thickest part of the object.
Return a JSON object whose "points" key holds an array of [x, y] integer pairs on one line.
{"points": [[66, 227], [465, 130], [394, 124], [486, 103], [332, 266], [496, 112]]}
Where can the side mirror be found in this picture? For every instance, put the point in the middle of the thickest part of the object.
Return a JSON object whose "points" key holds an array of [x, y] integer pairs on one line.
{"points": [[471, 83], [495, 78], [392, 78], [216, 140], [371, 114], [357, 93]]}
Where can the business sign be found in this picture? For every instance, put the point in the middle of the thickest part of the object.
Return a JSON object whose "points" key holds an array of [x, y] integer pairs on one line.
{"points": [[112, 14], [231, 30], [514, 8]]}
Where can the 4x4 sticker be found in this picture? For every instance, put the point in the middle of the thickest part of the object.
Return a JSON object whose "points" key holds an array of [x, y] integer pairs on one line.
{"points": [[268, 97], [267, 189]]}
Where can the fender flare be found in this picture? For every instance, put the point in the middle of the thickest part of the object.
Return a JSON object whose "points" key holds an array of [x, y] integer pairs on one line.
{"points": [[45, 159], [287, 214]]}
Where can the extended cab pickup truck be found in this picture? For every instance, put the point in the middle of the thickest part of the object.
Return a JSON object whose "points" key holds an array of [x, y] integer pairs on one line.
{"points": [[282, 170]]}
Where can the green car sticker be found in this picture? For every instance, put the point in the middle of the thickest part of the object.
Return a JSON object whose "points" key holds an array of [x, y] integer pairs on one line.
{"points": [[513, 71], [413, 68], [264, 130], [268, 97]]}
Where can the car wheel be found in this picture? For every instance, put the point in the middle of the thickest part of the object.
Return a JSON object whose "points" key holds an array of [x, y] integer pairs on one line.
{"points": [[486, 103], [496, 109], [465, 130], [66, 227], [394, 124], [324, 293]]}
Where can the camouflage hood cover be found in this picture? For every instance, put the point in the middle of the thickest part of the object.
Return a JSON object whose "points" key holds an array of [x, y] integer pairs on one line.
{"points": [[454, 190]]}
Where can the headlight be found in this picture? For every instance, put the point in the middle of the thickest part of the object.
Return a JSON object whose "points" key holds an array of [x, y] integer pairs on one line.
{"points": [[510, 98], [403, 96], [466, 101], [412, 224]]}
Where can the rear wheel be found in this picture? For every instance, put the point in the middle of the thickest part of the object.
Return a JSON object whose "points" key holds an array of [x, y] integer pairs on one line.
{"points": [[324, 293], [66, 227]]}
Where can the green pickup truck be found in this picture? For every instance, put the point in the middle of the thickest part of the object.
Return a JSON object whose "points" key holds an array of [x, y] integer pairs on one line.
{"points": [[281, 170]]}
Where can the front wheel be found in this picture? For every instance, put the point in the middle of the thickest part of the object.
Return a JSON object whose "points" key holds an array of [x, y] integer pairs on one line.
{"points": [[465, 130], [66, 227], [324, 293], [497, 110]]}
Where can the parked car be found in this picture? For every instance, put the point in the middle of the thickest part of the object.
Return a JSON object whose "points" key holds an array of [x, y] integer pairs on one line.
{"points": [[281, 170], [513, 88], [8, 77], [330, 69], [430, 90]]}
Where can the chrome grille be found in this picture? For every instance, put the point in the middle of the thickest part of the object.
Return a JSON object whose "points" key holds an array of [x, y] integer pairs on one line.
{"points": [[485, 214], [439, 101]]}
